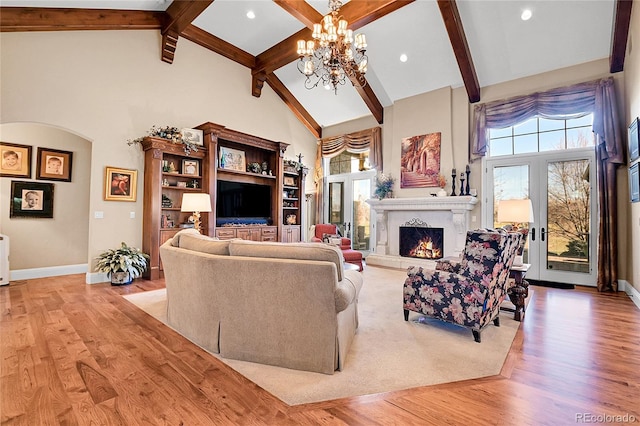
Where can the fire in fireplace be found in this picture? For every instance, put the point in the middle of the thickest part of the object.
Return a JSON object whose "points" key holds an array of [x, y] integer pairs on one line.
{"points": [[419, 240]]}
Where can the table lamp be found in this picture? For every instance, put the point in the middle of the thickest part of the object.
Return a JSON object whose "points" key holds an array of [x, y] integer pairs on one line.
{"points": [[518, 213], [196, 203]]}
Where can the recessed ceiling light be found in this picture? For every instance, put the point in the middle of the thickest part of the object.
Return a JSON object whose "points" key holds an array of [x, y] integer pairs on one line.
{"points": [[526, 14], [403, 58], [251, 15]]}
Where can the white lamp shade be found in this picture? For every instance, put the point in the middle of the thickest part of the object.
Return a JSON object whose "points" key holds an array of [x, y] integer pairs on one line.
{"points": [[515, 211], [197, 202]]}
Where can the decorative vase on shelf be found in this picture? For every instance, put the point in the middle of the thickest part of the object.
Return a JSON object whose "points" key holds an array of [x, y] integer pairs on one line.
{"points": [[441, 193]]}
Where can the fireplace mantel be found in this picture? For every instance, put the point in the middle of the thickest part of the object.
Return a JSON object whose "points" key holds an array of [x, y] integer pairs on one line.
{"points": [[452, 203], [450, 213]]}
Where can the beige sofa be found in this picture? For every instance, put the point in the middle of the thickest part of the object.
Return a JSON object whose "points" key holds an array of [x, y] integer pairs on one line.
{"points": [[287, 304]]}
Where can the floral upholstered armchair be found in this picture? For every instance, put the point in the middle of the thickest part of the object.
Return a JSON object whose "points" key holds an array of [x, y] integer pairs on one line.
{"points": [[467, 293]]}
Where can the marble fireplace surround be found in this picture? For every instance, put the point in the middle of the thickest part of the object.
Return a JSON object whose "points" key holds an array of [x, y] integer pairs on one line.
{"points": [[450, 213]]}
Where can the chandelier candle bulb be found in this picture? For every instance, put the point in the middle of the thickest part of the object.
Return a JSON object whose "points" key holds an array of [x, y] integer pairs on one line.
{"points": [[308, 68], [301, 48], [342, 27]]}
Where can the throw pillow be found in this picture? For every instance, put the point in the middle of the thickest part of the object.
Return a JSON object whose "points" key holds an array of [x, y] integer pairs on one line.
{"points": [[326, 238]]}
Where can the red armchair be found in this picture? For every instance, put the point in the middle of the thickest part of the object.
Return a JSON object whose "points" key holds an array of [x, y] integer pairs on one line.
{"points": [[350, 256], [323, 229]]}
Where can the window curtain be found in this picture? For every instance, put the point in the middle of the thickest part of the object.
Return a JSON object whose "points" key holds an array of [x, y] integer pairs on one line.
{"points": [[597, 97], [370, 139]]}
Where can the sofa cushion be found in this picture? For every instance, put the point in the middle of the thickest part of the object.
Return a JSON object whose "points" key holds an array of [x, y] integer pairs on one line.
{"points": [[204, 244], [175, 241], [298, 251]]}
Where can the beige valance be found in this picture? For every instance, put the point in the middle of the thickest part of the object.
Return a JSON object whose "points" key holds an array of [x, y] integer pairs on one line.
{"points": [[369, 139]]}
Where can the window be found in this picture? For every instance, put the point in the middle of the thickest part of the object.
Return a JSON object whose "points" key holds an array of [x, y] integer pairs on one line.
{"points": [[349, 162], [541, 135]]}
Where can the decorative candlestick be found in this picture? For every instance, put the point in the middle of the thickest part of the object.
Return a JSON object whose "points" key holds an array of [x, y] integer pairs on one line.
{"points": [[461, 184], [453, 182], [468, 172]]}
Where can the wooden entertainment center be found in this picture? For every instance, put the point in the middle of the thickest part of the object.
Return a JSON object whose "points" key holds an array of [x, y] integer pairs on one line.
{"points": [[276, 182]]}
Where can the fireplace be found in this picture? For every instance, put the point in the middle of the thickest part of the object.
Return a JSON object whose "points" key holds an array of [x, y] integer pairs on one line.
{"points": [[419, 240]]}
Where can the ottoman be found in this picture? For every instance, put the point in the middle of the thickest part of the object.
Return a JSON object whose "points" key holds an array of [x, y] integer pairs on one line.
{"points": [[354, 257]]}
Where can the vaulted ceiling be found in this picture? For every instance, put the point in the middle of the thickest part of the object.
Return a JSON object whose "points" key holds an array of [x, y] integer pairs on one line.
{"points": [[448, 43]]}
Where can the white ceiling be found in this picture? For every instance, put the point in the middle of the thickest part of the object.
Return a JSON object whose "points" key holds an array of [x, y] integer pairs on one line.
{"points": [[561, 33]]}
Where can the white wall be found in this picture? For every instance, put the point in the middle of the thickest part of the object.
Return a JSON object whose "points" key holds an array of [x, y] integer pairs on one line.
{"points": [[63, 240], [632, 110], [111, 86]]}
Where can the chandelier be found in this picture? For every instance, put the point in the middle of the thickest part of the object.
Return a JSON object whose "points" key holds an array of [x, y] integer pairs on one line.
{"points": [[333, 55]]}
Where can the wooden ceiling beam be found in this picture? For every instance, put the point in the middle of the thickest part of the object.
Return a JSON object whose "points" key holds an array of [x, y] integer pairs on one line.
{"points": [[453, 24], [370, 98], [293, 104], [621, 22], [219, 46], [13, 19], [361, 13], [179, 15], [302, 11]]}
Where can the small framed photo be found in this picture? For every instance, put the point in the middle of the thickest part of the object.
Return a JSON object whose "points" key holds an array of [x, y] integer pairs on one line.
{"points": [[120, 184], [289, 181], [634, 182], [31, 199], [15, 160], [232, 159], [194, 136], [191, 167], [54, 164]]}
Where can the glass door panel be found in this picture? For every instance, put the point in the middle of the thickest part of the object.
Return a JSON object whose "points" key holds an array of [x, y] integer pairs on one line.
{"points": [[361, 236], [566, 239], [336, 204], [510, 182]]}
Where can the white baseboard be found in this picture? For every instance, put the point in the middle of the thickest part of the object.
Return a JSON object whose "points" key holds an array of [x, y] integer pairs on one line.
{"points": [[633, 294], [51, 271], [97, 278]]}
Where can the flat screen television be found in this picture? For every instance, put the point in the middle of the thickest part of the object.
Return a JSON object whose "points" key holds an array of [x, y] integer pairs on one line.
{"points": [[242, 203]]}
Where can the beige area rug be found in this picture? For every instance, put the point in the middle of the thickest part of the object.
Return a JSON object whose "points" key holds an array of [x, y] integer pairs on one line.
{"points": [[387, 353]]}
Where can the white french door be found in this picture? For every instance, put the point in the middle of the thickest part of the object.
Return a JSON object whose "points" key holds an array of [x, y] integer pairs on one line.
{"points": [[562, 187], [345, 206]]}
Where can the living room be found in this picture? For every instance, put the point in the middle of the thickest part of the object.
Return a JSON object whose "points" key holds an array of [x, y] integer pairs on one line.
{"points": [[90, 92]]}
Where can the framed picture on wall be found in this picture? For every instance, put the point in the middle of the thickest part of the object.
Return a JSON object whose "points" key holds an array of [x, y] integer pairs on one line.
{"points": [[634, 182], [31, 199], [120, 184], [15, 160], [54, 164]]}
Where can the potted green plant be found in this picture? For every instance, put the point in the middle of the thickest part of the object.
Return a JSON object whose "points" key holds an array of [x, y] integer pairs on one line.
{"points": [[123, 264]]}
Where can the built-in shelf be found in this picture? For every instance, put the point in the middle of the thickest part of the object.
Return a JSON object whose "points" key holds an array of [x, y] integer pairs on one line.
{"points": [[222, 172]]}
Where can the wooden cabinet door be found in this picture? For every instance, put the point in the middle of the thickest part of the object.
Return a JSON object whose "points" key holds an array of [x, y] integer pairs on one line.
{"points": [[225, 233], [269, 233], [252, 234], [291, 234]]}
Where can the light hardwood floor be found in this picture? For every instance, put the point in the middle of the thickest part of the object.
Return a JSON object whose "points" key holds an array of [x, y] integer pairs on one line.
{"points": [[73, 353]]}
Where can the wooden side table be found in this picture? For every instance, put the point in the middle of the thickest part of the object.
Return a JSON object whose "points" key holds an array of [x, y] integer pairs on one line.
{"points": [[519, 291]]}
